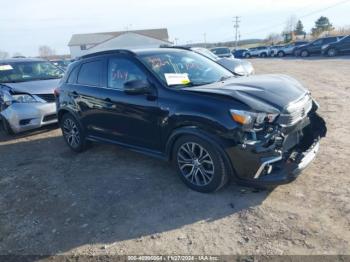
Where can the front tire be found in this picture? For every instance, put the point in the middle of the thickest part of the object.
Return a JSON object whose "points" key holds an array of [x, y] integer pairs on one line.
{"points": [[263, 55], [247, 55], [73, 133], [304, 53], [6, 128], [200, 164], [280, 54], [332, 52]]}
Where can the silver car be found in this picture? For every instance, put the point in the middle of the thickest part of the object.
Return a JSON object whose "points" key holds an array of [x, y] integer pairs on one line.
{"points": [[237, 66], [27, 98]]}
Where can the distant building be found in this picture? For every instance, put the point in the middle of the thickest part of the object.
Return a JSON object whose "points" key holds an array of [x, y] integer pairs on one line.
{"points": [[81, 44]]}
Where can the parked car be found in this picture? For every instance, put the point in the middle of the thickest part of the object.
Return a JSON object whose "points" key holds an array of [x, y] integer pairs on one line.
{"points": [[274, 49], [315, 47], [63, 64], [261, 51], [27, 98], [239, 53], [236, 66], [289, 48], [182, 107], [222, 52], [342, 46]]}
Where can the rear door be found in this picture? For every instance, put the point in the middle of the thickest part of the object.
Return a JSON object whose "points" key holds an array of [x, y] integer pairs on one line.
{"points": [[88, 94]]}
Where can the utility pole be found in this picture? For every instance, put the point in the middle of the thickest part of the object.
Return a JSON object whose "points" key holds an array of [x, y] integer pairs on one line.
{"points": [[236, 22], [205, 40]]}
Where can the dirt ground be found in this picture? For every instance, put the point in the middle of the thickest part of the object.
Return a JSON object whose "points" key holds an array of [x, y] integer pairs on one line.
{"points": [[112, 201]]}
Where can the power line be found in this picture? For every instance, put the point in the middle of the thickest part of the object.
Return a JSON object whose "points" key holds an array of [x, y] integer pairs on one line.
{"points": [[236, 26], [303, 16]]}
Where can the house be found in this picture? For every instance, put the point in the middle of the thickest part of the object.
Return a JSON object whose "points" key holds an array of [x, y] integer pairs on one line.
{"points": [[81, 44]]}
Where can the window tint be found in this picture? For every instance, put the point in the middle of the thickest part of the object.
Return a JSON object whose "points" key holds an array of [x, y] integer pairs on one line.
{"points": [[73, 76], [318, 42], [347, 39], [121, 70], [330, 40], [90, 73]]}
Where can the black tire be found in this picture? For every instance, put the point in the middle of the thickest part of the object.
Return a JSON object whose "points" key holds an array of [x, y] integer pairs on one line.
{"points": [[281, 54], [263, 55], [247, 55], [332, 52], [73, 133], [216, 173], [304, 53], [5, 126]]}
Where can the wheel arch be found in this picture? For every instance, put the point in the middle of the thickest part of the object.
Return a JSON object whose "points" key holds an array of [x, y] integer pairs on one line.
{"points": [[203, 134]]}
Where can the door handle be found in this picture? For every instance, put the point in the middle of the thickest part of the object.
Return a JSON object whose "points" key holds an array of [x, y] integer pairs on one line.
{"points": [[75, 94]]}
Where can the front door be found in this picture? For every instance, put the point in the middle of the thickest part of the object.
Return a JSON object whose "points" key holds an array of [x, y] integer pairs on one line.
{"points": [[129, 119]]}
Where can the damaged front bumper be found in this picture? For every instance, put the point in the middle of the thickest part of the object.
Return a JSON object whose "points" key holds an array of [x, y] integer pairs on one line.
{"points": [[281, 159], [26, 116]]}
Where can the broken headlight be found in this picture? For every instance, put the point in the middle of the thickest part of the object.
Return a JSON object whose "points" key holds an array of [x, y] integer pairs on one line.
{"points": [[23, 98], [251, 121]]}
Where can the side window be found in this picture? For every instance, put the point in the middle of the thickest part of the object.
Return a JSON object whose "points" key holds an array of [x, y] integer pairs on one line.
{"points": [[330, 40], [121, 70], [347, 39], [318, 42], [90, 73], [73, 76]]}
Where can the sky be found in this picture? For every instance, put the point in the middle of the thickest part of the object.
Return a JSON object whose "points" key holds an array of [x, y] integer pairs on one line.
{"points": [[27, 24]]}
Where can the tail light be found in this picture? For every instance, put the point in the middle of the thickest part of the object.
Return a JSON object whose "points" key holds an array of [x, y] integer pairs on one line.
{"points": [[56, 92]]}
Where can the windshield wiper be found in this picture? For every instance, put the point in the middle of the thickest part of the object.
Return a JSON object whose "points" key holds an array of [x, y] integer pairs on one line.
{"points": [[224, 78]]}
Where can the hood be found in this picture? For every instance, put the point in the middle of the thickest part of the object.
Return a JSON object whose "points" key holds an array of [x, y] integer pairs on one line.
{"points": [[35, 87], [265, 93]]}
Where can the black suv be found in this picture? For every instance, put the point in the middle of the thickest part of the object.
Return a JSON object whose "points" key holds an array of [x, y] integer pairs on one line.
{"points": [[314, 47], [340, 47], [180, 106]]}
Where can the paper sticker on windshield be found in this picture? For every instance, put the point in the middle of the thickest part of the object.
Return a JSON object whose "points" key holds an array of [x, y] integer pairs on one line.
{"points": [[176, 79], [5, 67]]}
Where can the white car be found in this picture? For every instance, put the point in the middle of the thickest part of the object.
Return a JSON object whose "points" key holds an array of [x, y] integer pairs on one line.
{"points": [[27, 99], [260, 51]]}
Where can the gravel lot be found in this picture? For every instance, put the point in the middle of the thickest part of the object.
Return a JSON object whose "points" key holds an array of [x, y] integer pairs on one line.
{"points": [[112, 201]]}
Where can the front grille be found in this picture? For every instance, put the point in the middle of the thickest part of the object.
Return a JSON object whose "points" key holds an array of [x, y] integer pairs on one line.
{"points": [[296, 111], [49, 118], [47, 97]]}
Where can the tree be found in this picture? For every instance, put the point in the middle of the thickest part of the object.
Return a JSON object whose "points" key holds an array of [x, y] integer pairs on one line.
{"points": [[299, 28], [321, 25], [3, 55], [290, 24], [17, 54], [273, 38], [46, 51]]}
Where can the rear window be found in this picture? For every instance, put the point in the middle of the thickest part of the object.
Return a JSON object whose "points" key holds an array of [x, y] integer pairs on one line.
{"points": [[73, 76], [90, 73], [221, 51]]}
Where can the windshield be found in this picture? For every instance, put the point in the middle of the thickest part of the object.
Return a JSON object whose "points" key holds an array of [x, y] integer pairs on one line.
{"points": [[28, 71], [206, 53], [185, 68]]}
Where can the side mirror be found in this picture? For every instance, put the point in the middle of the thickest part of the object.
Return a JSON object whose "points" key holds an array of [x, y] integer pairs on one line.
{"points": [[137, 87]]}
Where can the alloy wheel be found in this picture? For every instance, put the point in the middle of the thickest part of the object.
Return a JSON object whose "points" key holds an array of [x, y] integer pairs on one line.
{"points": [[195, 164], [331, 52], [71, 133]]}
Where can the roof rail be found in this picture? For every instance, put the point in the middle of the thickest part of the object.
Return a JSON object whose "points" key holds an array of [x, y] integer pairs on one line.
{"points": [[115, 51], [176, 47]]}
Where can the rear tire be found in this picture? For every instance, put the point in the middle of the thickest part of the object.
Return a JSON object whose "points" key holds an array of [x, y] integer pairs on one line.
{"points": [[200, 164], [73, 133], [5, 126], [263, 55], [332, 52]]}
